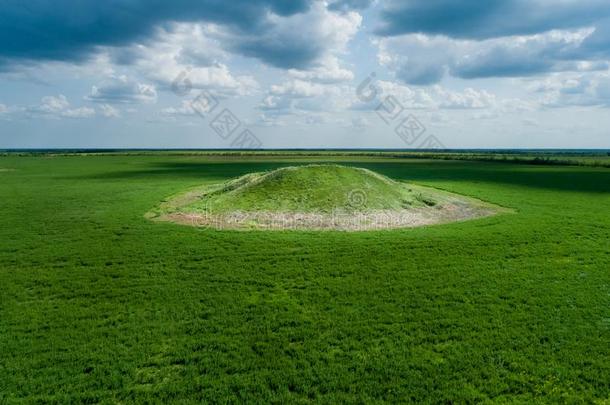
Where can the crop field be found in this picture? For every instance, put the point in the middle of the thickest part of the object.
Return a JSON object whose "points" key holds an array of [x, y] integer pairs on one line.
{"points": [[100, 304]]}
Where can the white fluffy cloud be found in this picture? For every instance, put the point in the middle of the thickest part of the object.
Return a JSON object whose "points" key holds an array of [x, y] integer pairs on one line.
{"points": [[297, 96], [82, 112], [186, 109], [578, 89], [52, 104], [56, 107], [188, 55], [320, 86], [297, 89], [328, 72], [197, 55], [467, 99], [122, 90], [434, 98], [108, 111]]}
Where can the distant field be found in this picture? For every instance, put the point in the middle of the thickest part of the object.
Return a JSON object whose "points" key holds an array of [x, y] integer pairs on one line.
{"points": [[99, 304], [594, 158]]}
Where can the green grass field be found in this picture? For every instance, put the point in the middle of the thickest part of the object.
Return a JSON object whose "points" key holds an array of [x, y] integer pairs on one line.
{"points": [[99, 304]]}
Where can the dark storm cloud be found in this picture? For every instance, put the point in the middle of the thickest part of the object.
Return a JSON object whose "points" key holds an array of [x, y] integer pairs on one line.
{"points": [[488, 27], [70, 30], [477, 19]]}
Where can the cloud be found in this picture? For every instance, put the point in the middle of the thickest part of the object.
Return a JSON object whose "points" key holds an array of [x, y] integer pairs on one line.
{"points": [[285, 34], [417, 59], [597, 45], [421, 73], [467, 99], [55, 107], [267, 121], [71, 29], [185, 110], [185, 56], [299, 41], [5, 112], [82, 112], [421, 40], [108, 111], [423, 60], [360, 123], [52, 104], [297, 96], [327, 73], [187, 43], [121, 90], [584, 90], [475, 19], [519, 56], [347, 5], [297, 89], [434, 98]]}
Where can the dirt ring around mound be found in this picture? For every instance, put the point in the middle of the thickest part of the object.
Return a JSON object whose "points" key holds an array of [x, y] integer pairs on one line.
{"points": [[318, 198], [337, 221]]}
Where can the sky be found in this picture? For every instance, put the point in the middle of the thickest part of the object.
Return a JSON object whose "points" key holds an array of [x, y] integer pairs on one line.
{"points": [[305, 74]]}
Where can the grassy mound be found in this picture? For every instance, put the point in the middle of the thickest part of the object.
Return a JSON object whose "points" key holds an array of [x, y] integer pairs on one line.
{"points": [[309, 189], [317, 197]]}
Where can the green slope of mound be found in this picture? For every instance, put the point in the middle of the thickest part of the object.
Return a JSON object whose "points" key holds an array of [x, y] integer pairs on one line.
{"points": [[315, 188]]}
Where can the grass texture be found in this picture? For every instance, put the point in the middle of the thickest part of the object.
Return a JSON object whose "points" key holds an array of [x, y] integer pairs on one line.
{"points": [[99, 304]]}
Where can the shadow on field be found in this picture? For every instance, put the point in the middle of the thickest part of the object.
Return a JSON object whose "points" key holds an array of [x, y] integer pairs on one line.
{"points": [[567, 178]]}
